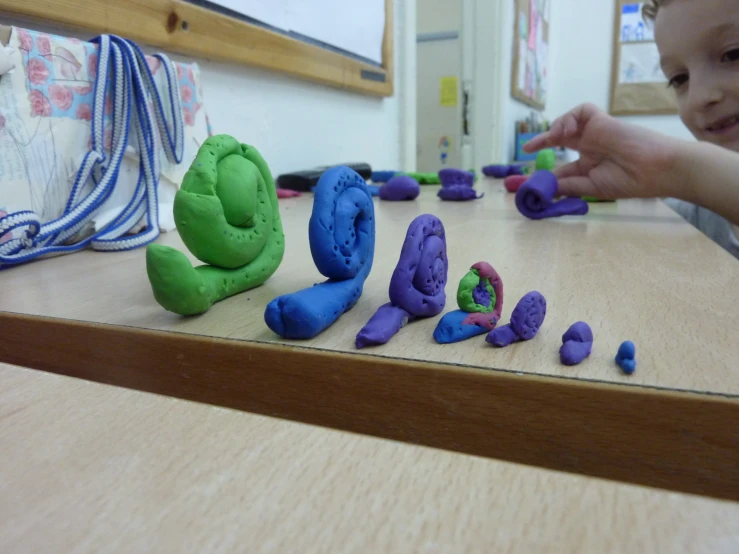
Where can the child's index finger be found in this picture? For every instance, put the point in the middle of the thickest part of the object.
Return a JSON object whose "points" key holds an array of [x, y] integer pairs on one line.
{"points": [[536, 143]]}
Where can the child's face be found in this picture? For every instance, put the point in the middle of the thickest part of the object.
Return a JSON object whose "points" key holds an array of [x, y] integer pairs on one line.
{"points": [[698, 42]]}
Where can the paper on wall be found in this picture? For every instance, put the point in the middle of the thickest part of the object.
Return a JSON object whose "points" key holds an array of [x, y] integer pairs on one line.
{"points": [[640, 64], [633, 26]]}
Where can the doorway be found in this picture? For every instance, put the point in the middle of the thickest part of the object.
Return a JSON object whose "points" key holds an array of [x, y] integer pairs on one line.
{"points": [[443, 107]]}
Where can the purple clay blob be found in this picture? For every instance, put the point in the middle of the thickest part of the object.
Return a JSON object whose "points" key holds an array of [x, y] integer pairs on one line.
{"points": [[401, 187], [526, 319], [458, 193], [577, 344], [502, 171], [450, 176], [417, 285], [382, 326], [480, 294], [535, 198]]}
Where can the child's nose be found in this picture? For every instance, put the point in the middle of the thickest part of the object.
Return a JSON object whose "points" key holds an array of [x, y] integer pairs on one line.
{"points": [[705, 93]]}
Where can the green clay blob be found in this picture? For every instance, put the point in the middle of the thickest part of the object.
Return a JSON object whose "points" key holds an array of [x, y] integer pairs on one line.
{"points": [[424, 178], [465, 293], [545, 159], [227, 215]]}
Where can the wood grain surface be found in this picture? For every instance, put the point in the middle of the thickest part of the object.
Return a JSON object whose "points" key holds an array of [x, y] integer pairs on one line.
{"points": [[632, 270], [184, 27], [89, 468]]}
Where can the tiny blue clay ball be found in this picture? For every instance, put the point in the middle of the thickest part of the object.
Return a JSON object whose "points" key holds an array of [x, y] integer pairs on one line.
{"points": [[626, 357]]}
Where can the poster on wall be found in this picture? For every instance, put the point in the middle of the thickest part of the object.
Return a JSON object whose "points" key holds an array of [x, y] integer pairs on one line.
{"points": [[530, 52]]}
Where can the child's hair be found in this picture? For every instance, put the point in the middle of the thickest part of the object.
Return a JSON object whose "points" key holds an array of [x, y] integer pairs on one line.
{"points": [[650, 9]]}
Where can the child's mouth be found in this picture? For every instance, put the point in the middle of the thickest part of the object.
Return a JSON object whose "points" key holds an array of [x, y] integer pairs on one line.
{"points": [[724, 126]]}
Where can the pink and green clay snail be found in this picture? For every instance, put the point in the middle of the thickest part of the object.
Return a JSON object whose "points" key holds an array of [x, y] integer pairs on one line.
{"points": [[480, 299]]}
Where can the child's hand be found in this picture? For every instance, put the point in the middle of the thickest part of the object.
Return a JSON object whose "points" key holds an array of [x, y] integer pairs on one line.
{"points": [[617, 160]]}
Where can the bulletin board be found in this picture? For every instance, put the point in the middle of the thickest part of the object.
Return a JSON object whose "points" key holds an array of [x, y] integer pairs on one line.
{"points": [[530, 52], [638, 86], [210, 30]]}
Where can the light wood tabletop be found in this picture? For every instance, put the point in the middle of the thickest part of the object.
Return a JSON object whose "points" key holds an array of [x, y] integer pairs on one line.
{"points": [[92, 468], [633, 270]]}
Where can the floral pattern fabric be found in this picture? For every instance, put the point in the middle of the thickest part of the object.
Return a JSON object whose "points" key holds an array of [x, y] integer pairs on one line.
{"points": [[61, 72]]}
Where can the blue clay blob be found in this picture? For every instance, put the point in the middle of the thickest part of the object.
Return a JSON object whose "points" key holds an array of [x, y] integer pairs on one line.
{"points": [[342, 242], [374, 190], [626, 357], [382, 176], [451, 329]]}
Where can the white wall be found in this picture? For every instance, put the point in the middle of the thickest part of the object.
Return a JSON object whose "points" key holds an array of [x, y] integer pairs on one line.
{"points": [[581, 36], [296, 124]]}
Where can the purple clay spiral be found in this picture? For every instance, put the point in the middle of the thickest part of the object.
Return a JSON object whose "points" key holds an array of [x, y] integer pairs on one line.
{"points": [[417, 284], [451, 176], [401, 187], [535, 198], [577, 344], [456, 185], [526, 319], [502, 171]]}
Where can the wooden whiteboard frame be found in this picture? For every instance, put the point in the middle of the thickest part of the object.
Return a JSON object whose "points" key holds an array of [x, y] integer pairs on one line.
{"points": [[179, 26], [517, 93], [655, 98]]}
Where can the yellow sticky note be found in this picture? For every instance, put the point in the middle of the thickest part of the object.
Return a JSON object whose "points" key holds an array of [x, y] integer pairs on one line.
{"points": [[448, 88]]}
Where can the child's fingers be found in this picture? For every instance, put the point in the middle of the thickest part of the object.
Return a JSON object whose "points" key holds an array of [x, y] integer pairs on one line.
{"points": [[537, 143], [572, 169], [578, 185]]}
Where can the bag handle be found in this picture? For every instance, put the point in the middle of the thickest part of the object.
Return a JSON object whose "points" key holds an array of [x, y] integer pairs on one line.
{"points": [[134, 121]]}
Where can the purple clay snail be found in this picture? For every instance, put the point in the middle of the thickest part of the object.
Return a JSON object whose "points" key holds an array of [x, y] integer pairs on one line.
{"points": [[526, 319]]}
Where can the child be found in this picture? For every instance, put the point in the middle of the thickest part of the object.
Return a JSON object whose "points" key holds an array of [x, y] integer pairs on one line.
{"points": [[698, 41]]}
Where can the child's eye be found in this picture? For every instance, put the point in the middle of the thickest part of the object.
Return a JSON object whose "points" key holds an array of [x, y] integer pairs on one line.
{"points": [[678, 80], [731, 56]]}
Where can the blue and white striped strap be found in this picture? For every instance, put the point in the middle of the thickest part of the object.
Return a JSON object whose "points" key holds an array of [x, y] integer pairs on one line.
{"points": [[138, 113]]}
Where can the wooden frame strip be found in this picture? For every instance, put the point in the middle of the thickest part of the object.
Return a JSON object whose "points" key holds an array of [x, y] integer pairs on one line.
{"points": [[179, 26], [681, 441]]}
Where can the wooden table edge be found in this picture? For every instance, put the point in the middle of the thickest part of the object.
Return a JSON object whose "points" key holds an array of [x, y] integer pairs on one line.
{"points": [[677, 440]]}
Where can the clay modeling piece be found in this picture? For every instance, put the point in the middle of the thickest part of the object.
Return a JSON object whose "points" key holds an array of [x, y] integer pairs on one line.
{"points": [[577, 343], [341, 232], [423, 178], [545, 159], [401, 187], [452, 176], [502, 171], [287, 193], [594, 199], [626, 357], [382, 176], [514, 182], [456, 185], [480, 299], [526, 319], [227, 215], [374, 190], [535, 198], [417, 284]]}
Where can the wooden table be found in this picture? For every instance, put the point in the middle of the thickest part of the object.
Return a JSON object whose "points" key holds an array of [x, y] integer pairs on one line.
{"points": [[94, 468], [631, 269]]}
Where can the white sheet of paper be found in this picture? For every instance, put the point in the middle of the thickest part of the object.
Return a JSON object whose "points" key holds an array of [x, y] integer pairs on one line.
{"points": [[356, 27], [640, 64], [271, 12]]}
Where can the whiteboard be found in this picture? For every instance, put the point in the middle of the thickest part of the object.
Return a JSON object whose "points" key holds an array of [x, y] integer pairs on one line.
{"points": [[353, 26]]}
